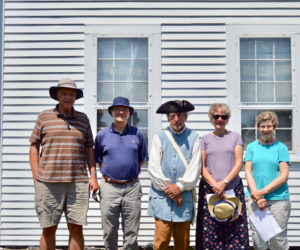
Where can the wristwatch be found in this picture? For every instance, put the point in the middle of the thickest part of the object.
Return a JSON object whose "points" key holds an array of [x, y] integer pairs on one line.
{"points": [[226, 181]]}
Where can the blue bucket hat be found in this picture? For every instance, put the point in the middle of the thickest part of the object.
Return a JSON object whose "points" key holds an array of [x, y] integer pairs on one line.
{"points": [[120, 101]]}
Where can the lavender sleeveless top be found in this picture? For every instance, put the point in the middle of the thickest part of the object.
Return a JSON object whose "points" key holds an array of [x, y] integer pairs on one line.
{"points": [[219, 152]]}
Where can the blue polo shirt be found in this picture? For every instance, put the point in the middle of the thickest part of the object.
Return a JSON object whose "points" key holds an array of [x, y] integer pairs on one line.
{"points": [[121, 154]]}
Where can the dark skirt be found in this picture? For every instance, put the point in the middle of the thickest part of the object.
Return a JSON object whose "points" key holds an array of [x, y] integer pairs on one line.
{"points": [[211, 234]]}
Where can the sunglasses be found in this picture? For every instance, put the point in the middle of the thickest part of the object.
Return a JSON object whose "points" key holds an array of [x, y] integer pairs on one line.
{"points": [[95, 196], [224, 117]]}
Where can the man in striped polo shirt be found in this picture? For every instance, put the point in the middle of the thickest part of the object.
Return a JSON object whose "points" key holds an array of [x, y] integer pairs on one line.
{"points": [[59, 169]]}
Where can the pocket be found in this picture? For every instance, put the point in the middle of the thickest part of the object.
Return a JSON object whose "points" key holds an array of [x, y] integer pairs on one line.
{"points": [[157, 207], [140, 192], [38, 198]]}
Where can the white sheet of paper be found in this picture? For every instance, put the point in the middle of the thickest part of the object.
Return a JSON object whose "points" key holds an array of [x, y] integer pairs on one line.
{"points": [[229, 192], [265, 224]]}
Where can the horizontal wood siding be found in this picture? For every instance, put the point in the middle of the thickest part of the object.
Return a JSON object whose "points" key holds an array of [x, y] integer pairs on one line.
{"points": [[44, 41]]}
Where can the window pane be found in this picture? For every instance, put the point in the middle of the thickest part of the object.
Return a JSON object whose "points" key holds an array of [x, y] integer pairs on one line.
{"points": [[105, 48], [123, 89], [247, 50], [283, 92], [247, 70], [285, 136], [123, 70], [248, 92], [282, 48], [140, 48], [105, 70], [284, 118], [104, 91], [283, 71], [264, 48], [104, 119], [122, 48], [265, 92], [249, 118], [247, 136], [140, 70], [264, 71], [140, 92], [140, 118]]}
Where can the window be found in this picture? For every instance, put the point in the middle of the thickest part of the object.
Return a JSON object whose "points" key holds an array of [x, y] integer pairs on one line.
{"points": [[1, 49], [261, 76], [266, 78], [124, 60], [122, 70]]}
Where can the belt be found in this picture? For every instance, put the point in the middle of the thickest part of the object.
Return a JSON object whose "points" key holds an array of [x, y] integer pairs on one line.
{"points": [[110, 180]]}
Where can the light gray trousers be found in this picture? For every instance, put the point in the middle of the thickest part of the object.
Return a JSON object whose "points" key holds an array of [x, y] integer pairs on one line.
{"points": [[124, 200], [280, 210]]}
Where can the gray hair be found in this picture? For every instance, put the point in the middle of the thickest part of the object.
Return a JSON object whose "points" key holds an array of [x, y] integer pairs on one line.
{"points": [[267, 116], [214, 108]]}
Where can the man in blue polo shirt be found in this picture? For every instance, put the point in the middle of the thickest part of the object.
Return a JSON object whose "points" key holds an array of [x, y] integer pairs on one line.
{"points": [[120, 151]]}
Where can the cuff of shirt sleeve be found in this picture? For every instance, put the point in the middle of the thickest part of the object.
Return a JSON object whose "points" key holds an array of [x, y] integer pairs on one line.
{"points": [[180, 185]]}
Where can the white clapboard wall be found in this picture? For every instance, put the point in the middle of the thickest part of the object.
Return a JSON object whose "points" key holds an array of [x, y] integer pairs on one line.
{"points": [[44, 41]]}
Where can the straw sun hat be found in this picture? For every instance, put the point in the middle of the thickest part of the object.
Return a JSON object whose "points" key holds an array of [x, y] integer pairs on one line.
{"points": [[226, 210]]}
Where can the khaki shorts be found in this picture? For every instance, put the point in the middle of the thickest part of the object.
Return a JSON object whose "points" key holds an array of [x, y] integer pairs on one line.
{"points": [[52, 199]]}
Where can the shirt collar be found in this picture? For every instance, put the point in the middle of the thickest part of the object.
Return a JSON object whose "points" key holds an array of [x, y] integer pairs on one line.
{"points": [[177, 133], [59, 114], [113, 129]]}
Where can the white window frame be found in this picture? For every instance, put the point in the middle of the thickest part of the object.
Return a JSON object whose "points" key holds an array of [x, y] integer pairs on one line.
{"points": [[233, 34], [153, 33]]}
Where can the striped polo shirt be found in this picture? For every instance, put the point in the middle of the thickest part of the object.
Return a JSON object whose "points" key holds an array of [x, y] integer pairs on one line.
{"points": [[63, 141]]}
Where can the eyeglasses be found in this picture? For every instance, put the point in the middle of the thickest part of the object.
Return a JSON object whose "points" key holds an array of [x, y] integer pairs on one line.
{"points": [[224, 117], [95, 196], [124, 110]]}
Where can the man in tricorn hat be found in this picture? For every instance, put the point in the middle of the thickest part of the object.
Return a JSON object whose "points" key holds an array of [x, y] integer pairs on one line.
{"points": [[120, 151], [59, 171], [174, 174]]}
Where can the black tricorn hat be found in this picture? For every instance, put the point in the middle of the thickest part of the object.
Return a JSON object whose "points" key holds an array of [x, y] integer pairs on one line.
{"points": [[176, 106]]}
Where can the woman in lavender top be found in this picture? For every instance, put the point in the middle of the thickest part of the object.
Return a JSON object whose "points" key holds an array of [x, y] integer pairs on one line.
{"points": [[222, 160]]}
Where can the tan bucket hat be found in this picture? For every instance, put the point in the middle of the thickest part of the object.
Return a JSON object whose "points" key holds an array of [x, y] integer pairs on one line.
{"points": [[226, 210], [65, 83]]}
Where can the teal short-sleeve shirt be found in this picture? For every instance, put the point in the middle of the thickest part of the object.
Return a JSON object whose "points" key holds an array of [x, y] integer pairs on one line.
{"points": [[265, 166]]}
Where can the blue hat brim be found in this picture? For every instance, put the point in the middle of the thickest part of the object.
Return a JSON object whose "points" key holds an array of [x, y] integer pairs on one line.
{"points": [[111, 107]]}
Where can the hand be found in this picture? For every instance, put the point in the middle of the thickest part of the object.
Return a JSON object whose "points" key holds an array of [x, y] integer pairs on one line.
{"points": [[261, 203], [172, 191], [219, 188], [93, 184], [179, 200], [257, 195]]}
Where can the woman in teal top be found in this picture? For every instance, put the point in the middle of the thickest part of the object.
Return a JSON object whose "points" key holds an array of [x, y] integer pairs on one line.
{"points": [[267, 164]]}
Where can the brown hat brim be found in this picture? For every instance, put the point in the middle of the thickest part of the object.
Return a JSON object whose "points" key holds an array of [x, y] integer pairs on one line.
{"points": [[53, 92], [176, 106]]}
